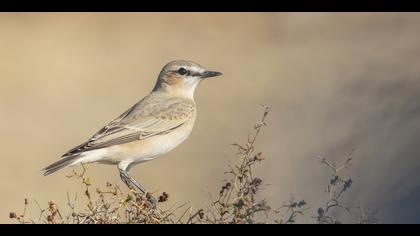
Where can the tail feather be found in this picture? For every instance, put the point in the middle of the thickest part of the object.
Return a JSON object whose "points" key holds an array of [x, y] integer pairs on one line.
{"points": [[63, 162]]}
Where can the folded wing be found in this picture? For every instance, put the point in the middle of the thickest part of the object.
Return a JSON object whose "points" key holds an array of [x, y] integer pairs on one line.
{"points": [[151, 116]]}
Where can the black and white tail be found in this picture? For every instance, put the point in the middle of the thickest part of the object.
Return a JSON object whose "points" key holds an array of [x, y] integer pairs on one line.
{"points": [[63, 162]]}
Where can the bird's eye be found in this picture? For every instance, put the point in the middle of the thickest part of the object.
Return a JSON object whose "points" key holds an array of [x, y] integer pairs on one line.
{"points": [[182, 71]]}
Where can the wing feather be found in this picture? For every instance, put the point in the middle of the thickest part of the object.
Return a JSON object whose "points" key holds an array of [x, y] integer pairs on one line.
{"points": [[154, 115]]}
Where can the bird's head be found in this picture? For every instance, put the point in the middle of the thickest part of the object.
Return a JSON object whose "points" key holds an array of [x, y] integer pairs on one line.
{"points": [[182, 77]]}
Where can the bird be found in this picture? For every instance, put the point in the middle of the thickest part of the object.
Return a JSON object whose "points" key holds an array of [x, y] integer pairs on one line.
{"points": [[155, 125]]}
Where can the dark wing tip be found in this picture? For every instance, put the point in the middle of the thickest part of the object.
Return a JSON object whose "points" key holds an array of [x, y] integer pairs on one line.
{"points": [[61, 163]]}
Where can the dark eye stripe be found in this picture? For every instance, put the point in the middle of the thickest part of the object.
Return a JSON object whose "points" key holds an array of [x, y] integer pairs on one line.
{"points": [[195, 74]]}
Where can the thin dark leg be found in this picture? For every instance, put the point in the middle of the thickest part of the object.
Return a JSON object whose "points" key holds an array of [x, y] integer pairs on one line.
{"points": [[130, 181]]}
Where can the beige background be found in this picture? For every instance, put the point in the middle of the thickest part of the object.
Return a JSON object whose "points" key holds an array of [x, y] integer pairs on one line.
{"points": [[335, 82]]}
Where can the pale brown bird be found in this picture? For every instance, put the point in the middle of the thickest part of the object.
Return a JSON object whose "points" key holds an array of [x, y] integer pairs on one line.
{"points": [[154, 126]]}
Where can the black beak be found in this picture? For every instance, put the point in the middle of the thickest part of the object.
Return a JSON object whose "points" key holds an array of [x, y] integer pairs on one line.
{"points": [[208, 74]]}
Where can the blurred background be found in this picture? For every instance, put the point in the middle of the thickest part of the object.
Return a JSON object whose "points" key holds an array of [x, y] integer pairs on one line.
{"points": [[335, 81]]}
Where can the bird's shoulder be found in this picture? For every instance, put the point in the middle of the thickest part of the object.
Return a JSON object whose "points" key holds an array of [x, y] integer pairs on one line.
{"points": [[161, 106]]}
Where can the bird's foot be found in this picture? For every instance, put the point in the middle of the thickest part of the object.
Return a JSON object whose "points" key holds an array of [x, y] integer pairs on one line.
{"points": [[151, 199]]}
